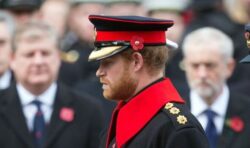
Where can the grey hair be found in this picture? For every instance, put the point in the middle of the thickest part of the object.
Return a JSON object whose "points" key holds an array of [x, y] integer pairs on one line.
{"points": [[207, 36], [5, 17], [34, 25]]}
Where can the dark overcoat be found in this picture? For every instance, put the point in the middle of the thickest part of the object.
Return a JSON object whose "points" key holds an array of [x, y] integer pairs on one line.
{"points": [[80, 132]]}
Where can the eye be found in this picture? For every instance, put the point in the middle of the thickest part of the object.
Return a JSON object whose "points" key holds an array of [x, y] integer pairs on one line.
{"points": [[107, 63], [195, 66], [46, 53], [210, 65], [2, 42], [29, 54]]}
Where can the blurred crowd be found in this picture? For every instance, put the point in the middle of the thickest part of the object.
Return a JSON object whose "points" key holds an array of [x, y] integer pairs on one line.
{"points": [[69, 18]]}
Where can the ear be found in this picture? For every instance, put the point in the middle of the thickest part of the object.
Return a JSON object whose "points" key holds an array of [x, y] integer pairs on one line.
{"points": [[183, 64], [59, 56], [12, 61], [137, 61], [230, 67]]}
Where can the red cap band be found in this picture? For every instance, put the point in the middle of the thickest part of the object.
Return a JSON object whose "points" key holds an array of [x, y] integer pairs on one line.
{"points": [[149, 37]]}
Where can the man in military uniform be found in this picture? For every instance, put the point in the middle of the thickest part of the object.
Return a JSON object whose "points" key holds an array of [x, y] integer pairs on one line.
{"points": [[125, 7], [150, 114], [76, 71], [77, 45], [22, 10], [247, 36]]}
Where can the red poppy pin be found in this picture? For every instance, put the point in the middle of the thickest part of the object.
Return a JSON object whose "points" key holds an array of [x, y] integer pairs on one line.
{"points": [[235, 123], [67, 114], [137, 43]]}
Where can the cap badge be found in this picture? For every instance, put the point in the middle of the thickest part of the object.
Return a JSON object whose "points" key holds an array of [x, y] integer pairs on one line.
{"points": [[182, 119], [137, 43]]}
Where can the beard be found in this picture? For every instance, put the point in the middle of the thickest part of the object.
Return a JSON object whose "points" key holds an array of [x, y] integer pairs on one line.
{"points": [[122, 89], [206, 89]]}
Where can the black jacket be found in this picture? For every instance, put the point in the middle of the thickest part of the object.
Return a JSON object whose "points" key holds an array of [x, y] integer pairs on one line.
{"points": [[81, 132], [238, 107]]}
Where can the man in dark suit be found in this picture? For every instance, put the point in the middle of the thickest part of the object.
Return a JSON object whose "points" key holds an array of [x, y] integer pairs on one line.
{"points": [[224, 114], [132, 53], [39, 112], [7, 27]]}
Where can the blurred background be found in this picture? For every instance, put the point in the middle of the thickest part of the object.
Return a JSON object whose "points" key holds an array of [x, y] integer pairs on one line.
{"points": [[70, 19]]}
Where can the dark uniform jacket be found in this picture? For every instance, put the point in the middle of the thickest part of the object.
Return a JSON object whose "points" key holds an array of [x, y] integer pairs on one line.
{"points": [[236, 134], [155, 118], [80, 132]]}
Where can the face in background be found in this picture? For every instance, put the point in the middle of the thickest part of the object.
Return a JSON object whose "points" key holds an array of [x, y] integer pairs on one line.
{"points": [[175, 32], [23, 16], [79, 22], [55, 14], [125, 8], [206, 70], [116, 76], [5, 47], [36, 60], [246, 4]]}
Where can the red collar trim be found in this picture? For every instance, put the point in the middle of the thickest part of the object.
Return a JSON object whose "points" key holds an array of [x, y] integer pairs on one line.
{"points": [[140, 110]]}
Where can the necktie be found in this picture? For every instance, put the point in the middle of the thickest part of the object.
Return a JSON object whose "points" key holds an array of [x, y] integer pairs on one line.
{"points": [[210, 130], [39, 125]]}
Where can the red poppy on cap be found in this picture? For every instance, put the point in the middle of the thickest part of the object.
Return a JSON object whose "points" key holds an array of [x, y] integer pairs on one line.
{"points": [[117, 33]]}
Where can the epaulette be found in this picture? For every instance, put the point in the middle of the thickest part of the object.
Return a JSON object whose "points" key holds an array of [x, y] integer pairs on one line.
{"points": [[177, 114]]}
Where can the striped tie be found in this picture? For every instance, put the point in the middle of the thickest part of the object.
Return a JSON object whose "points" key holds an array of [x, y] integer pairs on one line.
{"points": [[39, 125]]}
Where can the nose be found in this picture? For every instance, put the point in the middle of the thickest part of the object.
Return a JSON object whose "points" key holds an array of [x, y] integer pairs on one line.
{"points": [[38, 58], [202, 71], [99, 71]]}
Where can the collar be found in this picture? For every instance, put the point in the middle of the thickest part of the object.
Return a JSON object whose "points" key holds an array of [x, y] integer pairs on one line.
{"points": [[46, 97], [5, 79], [136, 113], [219, 106]]}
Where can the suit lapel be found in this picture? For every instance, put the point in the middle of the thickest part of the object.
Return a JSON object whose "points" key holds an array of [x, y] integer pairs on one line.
{"points": [[57, 125], [226, 138], [234, 109], [12, 112]]}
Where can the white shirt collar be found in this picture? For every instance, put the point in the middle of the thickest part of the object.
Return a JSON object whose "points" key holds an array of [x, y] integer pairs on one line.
{"points": [[198, 106], [5, 79], [47, 97]]}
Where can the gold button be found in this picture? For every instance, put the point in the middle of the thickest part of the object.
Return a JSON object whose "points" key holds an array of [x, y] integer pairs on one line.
{"points": [[182, 119], [174, 110], [169, 105]]}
